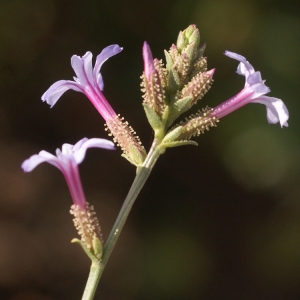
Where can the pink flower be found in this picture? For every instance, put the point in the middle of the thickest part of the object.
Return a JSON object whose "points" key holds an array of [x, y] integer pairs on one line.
{"points": [[88, 81], [253, 92], [67, 161]]}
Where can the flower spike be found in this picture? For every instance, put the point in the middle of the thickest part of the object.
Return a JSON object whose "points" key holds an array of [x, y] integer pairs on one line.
{"points": [[253, 92]]}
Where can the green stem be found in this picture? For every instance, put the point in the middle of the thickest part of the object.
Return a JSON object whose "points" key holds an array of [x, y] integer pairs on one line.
{"points": [[138, 183], [92, 281]]}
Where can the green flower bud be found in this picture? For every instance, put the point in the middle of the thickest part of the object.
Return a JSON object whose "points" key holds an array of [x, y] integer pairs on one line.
{"points": [[187, 36]]}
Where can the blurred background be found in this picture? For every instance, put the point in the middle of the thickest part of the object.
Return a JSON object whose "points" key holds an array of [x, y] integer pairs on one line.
{"points": [[217, 221]]}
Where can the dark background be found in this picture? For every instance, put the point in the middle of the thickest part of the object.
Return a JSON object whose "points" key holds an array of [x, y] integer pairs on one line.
{"points": [[217, 221]]}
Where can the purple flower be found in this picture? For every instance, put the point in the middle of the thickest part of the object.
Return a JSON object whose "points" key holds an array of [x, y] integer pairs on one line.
{"points": [[67, 161], [88, 81], [253, 92]]}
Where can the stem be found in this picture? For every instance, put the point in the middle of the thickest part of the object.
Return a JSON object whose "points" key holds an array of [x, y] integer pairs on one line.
{"points": [[138, 183], [92, 281]]}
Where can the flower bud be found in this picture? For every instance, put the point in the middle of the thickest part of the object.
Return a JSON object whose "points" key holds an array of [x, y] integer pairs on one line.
{"points": [[187, 36], [184, 60], [148, 61], [153, 85]]}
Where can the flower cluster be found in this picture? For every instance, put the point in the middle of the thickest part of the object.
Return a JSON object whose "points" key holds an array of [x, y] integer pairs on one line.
{"points": [[170, 91]]}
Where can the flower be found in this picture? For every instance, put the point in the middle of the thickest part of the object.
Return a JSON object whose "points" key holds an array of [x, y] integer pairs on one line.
{"points": [[88, 81], [67, 160], [253, 92]]}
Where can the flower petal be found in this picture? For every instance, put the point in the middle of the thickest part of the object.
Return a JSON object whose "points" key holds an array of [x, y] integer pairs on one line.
{"points": [[78, 145], [104, 55], [66, 150], [83, 69], [254, 78], [100, 81], [254, 91], [55, 91], [244, 68], [29, 164], [80, 149], [258, 89], [276, 110]]}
